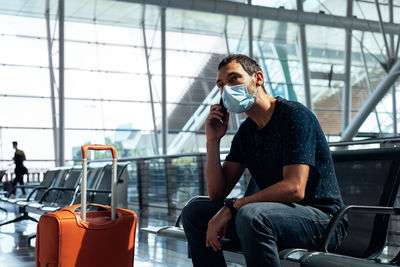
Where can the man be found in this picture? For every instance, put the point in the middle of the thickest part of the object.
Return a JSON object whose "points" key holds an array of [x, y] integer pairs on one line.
{"points": [[20, 169], [282, 145]]}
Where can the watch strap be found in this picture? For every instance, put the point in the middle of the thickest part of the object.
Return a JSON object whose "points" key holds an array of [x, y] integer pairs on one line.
{"points": [[229, 203]]}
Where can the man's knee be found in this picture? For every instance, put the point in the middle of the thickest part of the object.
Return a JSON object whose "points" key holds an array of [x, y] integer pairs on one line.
{"points": [[250, 221], [196, 212], [246, 220], [188, 213]]}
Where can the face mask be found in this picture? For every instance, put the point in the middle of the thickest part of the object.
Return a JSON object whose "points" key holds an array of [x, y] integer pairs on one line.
{"points": [[237, 99]]}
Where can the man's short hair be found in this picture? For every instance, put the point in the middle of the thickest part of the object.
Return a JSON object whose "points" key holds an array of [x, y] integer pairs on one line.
{"points": [[248, 64], [14, 143]]}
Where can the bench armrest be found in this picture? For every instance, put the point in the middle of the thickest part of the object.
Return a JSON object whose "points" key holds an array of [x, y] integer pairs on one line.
{"points": [[337, 218], [55, 188], [30, 185], [34, 186], [98, 191], [34, 190]]}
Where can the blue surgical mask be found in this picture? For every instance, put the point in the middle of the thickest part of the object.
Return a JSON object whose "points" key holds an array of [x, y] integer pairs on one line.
{"points": [[237, 99]]}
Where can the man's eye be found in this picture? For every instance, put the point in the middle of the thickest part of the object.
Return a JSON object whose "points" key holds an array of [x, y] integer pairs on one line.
{"points": [[232, 79]]}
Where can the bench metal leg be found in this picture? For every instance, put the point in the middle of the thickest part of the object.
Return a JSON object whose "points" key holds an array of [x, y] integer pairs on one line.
{"points": [[25, 216]]}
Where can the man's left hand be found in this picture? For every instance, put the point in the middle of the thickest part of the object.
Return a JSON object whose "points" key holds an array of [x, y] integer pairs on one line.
{"points": [[217, 228]]}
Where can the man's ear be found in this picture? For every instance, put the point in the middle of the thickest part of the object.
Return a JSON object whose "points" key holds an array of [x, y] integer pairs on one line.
{"points": [[259, 78]]}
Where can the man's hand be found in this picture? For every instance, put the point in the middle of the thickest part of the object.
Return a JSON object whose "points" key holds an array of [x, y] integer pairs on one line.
{"points": [[217, 228], [215, 127]]}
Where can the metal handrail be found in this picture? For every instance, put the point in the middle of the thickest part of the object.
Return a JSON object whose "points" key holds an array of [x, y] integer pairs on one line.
{"points": [[366, 141], [225, 151]]}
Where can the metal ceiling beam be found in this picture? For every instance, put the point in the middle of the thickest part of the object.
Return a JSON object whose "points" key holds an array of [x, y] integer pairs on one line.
{"points": [[164, 82], [369, 83], [393, 55], [153, 113], [226, 35], [250, 33], [378, 9], [391, 36], [267, 78], [394, 108], [369, 105], [281, 53], [346, 95], [61, 133], [302, 43], [52, 83], [275, 14]]}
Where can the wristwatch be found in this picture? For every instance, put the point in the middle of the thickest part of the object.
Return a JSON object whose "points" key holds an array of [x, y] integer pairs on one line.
{"points": [[229, 202]]}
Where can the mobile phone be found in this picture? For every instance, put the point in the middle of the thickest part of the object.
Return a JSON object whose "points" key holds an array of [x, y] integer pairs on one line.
{"points": [[223, 109]]}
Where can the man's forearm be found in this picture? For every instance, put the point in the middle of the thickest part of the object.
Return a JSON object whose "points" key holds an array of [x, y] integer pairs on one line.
{"points": [[216, 182], [290, 189], [282, 192]]}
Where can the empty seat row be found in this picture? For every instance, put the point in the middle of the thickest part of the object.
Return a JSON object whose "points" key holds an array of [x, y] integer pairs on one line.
{"points": [[60, 188]]}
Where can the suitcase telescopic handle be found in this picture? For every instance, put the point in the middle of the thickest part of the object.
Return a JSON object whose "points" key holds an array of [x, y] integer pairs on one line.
{"points": [[85, 149]]}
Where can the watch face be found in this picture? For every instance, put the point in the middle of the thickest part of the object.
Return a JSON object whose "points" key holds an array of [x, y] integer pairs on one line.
{"points": [[226, 202], [229, 202]]}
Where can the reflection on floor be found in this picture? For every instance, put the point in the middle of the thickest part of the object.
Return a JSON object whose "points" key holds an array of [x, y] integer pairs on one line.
{"points": [[149, 250]]}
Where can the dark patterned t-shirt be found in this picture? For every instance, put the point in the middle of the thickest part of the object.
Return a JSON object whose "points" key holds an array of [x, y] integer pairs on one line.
{"points": [[292, 136]]}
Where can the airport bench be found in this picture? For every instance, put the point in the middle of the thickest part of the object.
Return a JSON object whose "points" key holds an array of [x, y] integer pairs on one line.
{"points": [[101, 191], [68, 193], [369, 181], [57, 196], [48, 180], [51, 177], [61, 188]]}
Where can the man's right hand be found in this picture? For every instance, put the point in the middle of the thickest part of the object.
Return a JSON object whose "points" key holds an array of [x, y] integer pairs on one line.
{"points": [[216, 229], [215, 127]]}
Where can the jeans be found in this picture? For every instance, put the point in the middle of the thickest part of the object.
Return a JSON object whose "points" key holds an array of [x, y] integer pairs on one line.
{"points": [[260, 229]]}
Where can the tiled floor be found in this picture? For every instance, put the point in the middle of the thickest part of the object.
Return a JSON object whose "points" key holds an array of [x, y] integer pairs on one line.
{"points": [[149, 250]]}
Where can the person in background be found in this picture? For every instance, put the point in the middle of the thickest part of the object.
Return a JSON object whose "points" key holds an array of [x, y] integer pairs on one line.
{"points": [[20, 169]]}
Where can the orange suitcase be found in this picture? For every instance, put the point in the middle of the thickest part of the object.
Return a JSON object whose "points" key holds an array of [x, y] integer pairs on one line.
{"points": [[95, 238]]}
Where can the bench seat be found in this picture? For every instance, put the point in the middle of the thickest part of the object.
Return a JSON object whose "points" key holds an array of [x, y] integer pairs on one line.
{"points": [[166, 231]]}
